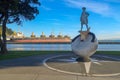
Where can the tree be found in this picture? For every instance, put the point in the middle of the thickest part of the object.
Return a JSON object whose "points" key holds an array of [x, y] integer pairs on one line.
{"points": [[32, 35], [9, 32], [14, 11]]}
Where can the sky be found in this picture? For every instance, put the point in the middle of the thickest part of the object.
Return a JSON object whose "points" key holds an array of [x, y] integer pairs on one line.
{"points": [[63, 16]]}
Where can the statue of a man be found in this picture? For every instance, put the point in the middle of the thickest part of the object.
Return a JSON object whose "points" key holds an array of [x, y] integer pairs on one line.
{"points": [[84, 18]]}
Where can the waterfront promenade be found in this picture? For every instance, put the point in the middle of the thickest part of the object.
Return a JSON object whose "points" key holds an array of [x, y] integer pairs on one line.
{"points": [[32, 68]]}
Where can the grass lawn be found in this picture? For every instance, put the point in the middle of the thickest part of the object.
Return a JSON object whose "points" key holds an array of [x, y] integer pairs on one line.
{"points": [[18, 54], [115, 53]]}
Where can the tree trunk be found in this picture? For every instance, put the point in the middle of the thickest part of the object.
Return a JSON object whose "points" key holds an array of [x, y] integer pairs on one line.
{"points": [[0, 44], [3, 47], [1, 17]]}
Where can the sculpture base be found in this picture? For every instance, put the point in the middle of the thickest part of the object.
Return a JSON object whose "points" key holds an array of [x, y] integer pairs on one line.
{"points": [[84, 45], [81, 59]]}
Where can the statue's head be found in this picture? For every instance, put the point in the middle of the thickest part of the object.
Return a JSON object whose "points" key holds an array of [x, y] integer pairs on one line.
{"points": [[83, 8], [84, 34]]}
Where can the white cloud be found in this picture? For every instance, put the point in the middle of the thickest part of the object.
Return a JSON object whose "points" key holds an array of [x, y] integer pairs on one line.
{"points": [[53, 19], [47, 0], [100, 8], [57, 24], [51, 0], [115, 1], [46, 8], [103, 7]]}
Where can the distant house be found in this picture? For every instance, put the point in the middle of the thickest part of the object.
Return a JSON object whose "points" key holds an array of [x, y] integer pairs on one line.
{"points": [[19, 35]]}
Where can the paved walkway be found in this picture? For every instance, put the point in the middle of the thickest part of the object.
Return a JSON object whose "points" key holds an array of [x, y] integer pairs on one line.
{"points": [[32, 68]]}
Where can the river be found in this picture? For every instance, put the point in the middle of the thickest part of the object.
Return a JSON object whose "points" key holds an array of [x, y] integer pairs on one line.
{"points": [[59, 47]]}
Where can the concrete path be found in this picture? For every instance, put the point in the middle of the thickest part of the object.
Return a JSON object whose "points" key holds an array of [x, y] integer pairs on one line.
{"points": [[32, 68]]}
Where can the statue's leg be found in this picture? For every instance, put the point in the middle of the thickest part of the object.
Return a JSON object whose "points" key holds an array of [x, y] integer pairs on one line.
{"points": [[81, 26], [87, 26]]}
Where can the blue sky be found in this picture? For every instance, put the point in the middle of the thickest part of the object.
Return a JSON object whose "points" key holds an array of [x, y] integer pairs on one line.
{"points": [[64, 16]]}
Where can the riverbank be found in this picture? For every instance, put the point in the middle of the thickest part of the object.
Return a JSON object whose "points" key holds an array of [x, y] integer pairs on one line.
{"points": [[18, 54]]}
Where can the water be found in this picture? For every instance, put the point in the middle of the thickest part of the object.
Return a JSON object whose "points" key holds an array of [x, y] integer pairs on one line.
{"points": [[59, 47], [38, 47]]}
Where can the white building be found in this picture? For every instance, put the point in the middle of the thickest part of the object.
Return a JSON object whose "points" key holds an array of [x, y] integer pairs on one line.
{"points": [[19, 35]]}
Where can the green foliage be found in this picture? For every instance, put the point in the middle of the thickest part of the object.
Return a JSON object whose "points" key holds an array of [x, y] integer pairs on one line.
{"points": [[19, 10], [18, 54], [66, 37], [116, 53], [8, 31], [16, 11], [32, 35], [0, 30], [42, 36]]}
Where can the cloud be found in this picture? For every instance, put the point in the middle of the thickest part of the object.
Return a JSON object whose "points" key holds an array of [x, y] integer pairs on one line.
{"points": [[53, 19], [102, 7], [46, 8], [47, 0], [57, 24], [51, 0], [114, 1], [96, 7]]}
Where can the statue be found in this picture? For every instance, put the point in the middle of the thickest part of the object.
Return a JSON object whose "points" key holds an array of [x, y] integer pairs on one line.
{"points": [[85, 44], [84, 18]]}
